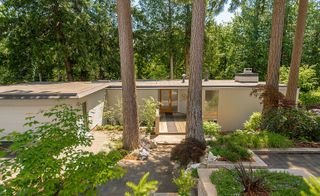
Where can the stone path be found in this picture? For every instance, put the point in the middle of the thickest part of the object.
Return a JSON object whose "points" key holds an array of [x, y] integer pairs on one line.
{"points": [[308, 162], [159, 166]]}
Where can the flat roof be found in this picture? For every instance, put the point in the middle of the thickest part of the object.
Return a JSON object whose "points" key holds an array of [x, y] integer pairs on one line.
{"points": [[70, 90], [50, 90]]}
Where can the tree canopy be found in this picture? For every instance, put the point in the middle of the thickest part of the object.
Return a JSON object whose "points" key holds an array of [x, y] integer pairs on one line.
{"points": [[78, 40]]}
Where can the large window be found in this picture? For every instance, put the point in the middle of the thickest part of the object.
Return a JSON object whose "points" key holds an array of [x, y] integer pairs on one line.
{"points": [[210, 110]]}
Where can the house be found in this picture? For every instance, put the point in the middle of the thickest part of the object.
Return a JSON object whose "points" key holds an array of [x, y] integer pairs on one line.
{"points": [[22, 100], [227, 102]]}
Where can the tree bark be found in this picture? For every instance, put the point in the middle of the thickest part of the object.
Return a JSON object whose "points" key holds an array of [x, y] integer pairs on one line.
{"points": [[129, 103], [69, 69], [194, 113], [187, 40], [272, 84], [291, 95]]}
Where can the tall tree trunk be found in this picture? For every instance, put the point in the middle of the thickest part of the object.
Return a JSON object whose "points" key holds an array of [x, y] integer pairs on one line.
{"points": [[187, 39], [194, 113], [291, 94], [69, 69], [129, 103], [272, 84]]}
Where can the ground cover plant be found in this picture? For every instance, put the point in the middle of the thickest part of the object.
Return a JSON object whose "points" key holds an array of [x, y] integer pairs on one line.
{"points": [[48, 160], [234, 147], [231, 182]]}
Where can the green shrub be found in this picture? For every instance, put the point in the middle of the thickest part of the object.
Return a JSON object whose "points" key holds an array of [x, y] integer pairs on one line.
{"points": [[113, 114], [254, 122], [148, 113], [226, 182], [307, 77], [144, 187], [211, 128], [310, 99], [297, 124], [314, 186], [189, 150], [48, 161], [185, 182]]}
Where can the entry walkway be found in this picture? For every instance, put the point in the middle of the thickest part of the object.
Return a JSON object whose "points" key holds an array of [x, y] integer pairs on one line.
{"points": [[308, 162], [172, 123]]}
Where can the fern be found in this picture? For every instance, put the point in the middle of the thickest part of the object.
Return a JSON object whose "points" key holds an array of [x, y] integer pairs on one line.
{"points": [[144, 187], [314, 186]]}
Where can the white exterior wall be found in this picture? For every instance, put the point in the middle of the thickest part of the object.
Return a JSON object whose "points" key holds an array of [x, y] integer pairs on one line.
{"points": [[236, 105], [14, 112], [113, 95], [95, 106]]}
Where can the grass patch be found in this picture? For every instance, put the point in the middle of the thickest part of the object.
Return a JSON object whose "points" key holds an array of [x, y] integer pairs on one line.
{"points": [[279, 184]]}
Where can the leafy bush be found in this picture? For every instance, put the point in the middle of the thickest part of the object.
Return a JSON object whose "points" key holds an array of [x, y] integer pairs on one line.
{"points": [[185, 182], [254, 122], [314, 186], [211, 128], [294, 123], [148, 113], [144, 187], [310, 99], [307, 77], [47, 160], [188, 150], [113, 114], [227, 183]]}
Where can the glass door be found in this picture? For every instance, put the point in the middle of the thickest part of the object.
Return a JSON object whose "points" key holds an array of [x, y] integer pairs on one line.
{"points": [[166, 100]]}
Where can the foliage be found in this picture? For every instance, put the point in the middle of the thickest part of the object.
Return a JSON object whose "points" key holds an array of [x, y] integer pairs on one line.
{"points": [[254, 122], [307, 77], [310, 99], [314, 186], [109, 127], [261, 139], [113, 114], [86, 36], [294, 123], [230, 151], [82, 44], [148, 112], [211, 128], [144, 188], [277, 183], [49, 162], [253, 185], [188, 150], [234, 147], [185, 182]]}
